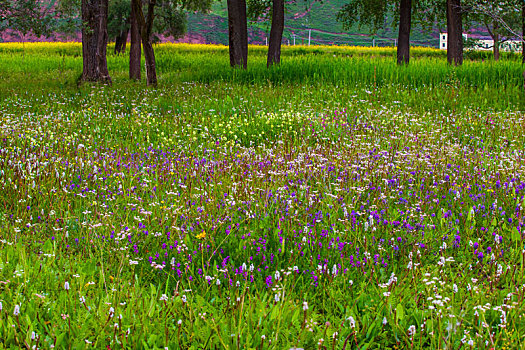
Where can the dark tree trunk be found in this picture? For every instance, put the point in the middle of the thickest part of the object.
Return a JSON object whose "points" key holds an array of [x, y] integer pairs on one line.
{"points": [[234, 41], [120, 42], [102, 43], [455, 32], [495, 38], [403, 39], [276, 33], [124, 40], [94, 40], [146, 27], [244, 32], [134, 51], [238, 33], [116, 50], [151, 69]]}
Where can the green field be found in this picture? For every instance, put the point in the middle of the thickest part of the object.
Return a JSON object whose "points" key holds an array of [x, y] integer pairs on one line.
{"points": [[337, 201]]}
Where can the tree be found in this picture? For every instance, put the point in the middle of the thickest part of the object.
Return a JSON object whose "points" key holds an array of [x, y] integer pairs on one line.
{"points": [[501, 19], [134, 51], [261, 10], [41, 17], [122, 20], [27, 16], [145, 29], [4, 14], [94, 40], [170, 20], [367, 13], [276, 33], [173, 21], [372, 13], [403, 39], [455, 32], [237, 33], [119, 23]]}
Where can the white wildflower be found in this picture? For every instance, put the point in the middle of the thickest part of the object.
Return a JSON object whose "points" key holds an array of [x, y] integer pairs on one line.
{"points": [[411, 331]]}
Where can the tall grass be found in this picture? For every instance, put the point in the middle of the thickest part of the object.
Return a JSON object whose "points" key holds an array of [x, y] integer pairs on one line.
{"points": [[307, 74], [336, 65]]}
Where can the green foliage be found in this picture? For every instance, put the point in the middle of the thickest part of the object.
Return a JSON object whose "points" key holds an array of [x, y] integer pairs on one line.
{"points": [[172, 19], [500, 18], [118, 17], [25, 16], [427, 15], [369, 13]]}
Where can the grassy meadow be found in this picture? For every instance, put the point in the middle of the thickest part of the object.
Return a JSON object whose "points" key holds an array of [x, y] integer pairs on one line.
{"points": [[337, 201]]}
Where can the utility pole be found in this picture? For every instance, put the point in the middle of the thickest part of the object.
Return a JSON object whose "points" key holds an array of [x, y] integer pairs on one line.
{"points": [[293, 39], [309, 36]]}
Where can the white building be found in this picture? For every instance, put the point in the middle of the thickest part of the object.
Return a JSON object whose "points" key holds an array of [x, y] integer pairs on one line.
{"points": [[481, 42], [443, 40]]}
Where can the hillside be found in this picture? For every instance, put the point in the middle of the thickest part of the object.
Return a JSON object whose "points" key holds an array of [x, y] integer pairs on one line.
{"points": [[301, 17]]}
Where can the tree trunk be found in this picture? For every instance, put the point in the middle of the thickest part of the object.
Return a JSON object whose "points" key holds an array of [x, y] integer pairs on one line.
{"points": [[276, 33], [244, 32], [146, 27], [238, 33], [234, 41], [495, 38], [134, 51], [124, 40], [403, 39], [120, 42], [94, 40], [102, 43], [149, 55], [116, 50], [455, 32]]}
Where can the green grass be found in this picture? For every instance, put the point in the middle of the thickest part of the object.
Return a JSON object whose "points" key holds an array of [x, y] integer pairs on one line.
{"points": [[371, 200]]}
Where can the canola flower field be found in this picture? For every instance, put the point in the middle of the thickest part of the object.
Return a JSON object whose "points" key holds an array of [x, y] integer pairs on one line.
{"points": [[335, 202]]}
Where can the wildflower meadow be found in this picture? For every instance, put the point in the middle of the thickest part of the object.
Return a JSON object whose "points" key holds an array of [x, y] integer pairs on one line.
{"points": [[336, 201]]}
